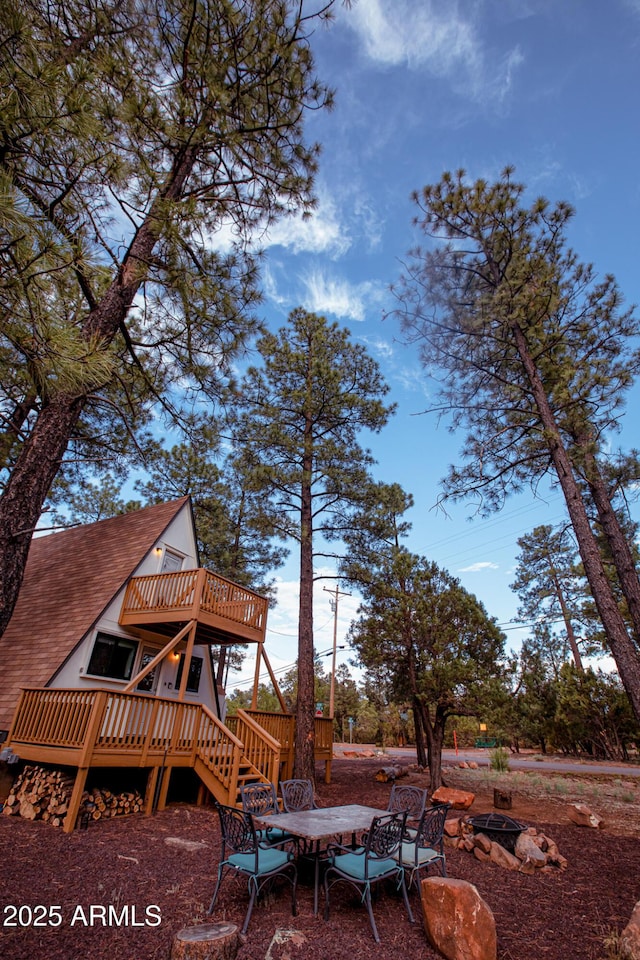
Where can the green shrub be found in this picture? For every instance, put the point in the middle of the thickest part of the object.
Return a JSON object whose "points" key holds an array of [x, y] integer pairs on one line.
{"points": [[499, 759]]}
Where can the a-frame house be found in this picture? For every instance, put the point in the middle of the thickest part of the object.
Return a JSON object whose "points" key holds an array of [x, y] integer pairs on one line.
{"points": [[108, 661]]}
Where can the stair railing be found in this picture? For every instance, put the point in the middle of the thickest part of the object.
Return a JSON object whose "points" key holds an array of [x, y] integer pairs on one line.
{"points": [[261, 750]]}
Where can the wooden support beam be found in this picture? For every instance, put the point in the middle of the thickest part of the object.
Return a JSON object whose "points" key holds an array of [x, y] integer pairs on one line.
{"points": [[74, 802], [256, 676], [152, 781], [164, 787], [159, 657], [281, 701]]}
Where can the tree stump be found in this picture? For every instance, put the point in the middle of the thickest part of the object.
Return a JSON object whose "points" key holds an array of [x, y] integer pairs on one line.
{"points": [[502, 799], [207, 941]]}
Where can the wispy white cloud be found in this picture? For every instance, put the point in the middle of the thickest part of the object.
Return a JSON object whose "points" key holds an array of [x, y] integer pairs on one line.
{"points": [[270, 286], [335, 295], [443, 39], [413, 379], [381, 348], [479, 567], [322, 232]]}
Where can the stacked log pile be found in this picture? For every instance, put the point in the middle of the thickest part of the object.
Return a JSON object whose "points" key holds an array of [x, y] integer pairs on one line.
{"points": [[103, 803], [40, 793]]}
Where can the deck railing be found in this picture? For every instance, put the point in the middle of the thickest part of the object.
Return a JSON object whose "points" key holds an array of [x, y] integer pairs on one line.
{"points": [[102, 726], [324, 736], [190, 592], [56, 717], [282, 727]]}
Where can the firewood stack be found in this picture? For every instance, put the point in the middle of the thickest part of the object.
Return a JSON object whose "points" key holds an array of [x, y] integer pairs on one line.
{"points": [[43, 794], [40, 794], [103, 803]]}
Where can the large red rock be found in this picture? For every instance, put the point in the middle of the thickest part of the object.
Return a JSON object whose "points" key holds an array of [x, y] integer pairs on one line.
{"points": [[528, 851], [459, 799], [452, 827], [630, 936], [582, 816], [457, 921], [503, 858]]}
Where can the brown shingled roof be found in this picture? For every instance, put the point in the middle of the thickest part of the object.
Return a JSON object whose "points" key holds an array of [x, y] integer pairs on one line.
{"points": [[70, 579]]}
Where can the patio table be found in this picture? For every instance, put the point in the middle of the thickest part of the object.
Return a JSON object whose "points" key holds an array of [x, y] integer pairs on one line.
{"points": [[323, 824]]}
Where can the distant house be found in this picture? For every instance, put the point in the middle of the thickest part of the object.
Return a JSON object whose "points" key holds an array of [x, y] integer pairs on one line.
{"points": [[107, 660]]}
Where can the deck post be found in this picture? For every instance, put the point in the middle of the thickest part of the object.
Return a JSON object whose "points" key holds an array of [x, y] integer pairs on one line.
{"points": [[74, 802], [278, 692], [256, 678], [187, 660], [93, 727], [159, 657], [164, 787], [150, 792]]}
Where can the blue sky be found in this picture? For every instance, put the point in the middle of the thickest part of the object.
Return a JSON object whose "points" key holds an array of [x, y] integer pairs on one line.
{"points": [[549, 86]]}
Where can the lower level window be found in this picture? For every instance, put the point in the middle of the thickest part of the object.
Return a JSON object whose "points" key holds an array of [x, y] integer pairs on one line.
{"points": [[193, 678], [112, 657]]}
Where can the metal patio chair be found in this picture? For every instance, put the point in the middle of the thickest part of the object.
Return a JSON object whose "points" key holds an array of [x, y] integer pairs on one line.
{"points": [[243, 854], [404, 797], [363, 867], [261, 799], [297, 795], [426, 848]]}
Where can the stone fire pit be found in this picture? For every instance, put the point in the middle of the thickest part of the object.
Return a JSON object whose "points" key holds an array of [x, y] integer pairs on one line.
{"points": [[499, 828]]}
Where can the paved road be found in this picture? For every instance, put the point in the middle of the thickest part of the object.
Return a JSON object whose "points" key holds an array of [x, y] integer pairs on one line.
{"points": [[516, 761]]}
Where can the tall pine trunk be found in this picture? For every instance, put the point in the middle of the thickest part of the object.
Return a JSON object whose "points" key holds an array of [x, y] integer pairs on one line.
{"points": [[26, 490], [304, 762], [39, 460], [618, 544], [623, 650], [421, 749], [435, 739]]}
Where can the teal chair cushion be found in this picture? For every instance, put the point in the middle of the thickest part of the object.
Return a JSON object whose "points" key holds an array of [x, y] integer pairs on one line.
{"points": [[268, 861], [353, 865], [406, 855]]}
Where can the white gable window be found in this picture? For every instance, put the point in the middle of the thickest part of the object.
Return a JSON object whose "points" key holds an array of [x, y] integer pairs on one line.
{"points": [[171, 561], [112, 657]]}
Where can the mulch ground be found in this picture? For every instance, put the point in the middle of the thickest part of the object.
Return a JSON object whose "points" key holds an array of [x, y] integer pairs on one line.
{"points": [[134, 863]]}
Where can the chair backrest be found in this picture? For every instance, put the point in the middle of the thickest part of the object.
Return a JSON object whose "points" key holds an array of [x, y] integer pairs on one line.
{"points": [[259, 798], [384, 837], [405, 798], [297, 795], [431, 827], [237, 830]]}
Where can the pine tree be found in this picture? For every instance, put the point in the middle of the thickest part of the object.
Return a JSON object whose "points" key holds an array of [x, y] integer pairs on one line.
{"points": [[131, 132], [537, 355], [305, 406], [548, 582], [433, 643]]}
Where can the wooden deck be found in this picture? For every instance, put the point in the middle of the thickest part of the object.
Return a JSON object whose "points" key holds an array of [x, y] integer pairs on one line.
{"points": [[102, 728], [224, 610]]}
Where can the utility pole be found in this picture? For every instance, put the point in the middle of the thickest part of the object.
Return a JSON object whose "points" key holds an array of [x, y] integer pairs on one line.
{"points": [[334, 606]]}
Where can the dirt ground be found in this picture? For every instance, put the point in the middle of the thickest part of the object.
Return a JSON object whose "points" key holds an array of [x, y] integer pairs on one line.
{"points": [[158, 874]]}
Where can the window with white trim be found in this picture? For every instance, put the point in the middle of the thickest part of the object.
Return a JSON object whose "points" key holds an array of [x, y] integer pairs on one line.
{"points": [[112, 657]]}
